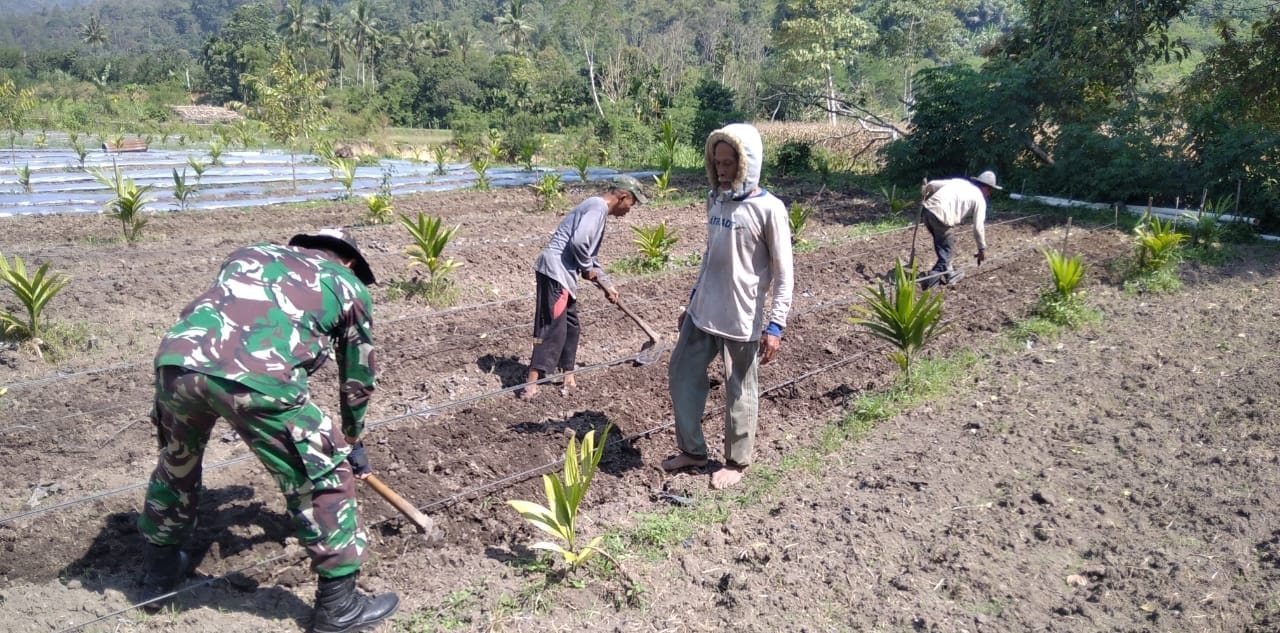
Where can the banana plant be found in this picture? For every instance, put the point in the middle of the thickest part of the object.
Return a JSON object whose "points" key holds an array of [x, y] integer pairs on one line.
{"points": [[33, 292], [128, 205], [565, 493], [902, 315]]}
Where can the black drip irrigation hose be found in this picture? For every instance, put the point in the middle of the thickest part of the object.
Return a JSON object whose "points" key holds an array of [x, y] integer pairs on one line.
{"points": [[60, 376]]}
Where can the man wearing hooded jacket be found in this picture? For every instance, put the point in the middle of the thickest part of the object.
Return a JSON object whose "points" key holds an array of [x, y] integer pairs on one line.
{"points": [[746, 262], [242, 351]]}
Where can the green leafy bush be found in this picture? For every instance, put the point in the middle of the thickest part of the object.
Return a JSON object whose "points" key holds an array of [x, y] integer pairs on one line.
{"points": [[793, 157]]}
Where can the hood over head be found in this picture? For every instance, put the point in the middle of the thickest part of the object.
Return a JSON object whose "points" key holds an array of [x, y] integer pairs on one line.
{"points": [[745, 140]]}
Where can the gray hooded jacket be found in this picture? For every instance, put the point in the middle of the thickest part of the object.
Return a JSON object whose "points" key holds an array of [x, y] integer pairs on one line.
{"points": [[748, 254]]}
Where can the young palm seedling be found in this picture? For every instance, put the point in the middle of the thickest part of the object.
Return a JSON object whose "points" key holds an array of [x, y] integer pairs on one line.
{"points": [[430, 238], [798, 219], [896, 205], [197, 167], [78, 147], [662, 185], [559, 517], [127, 206], [1061, 304], [550, 190], [215, 151], [480, 165], [1158, 244], [655, 244], [183, 191], [581, 162], [440, 154], [33, 292], [902, 315], [379, 209], [24, 177], [344, 169]]}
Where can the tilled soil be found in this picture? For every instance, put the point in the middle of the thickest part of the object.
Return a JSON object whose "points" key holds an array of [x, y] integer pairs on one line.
{"points": [[1118, 480]]}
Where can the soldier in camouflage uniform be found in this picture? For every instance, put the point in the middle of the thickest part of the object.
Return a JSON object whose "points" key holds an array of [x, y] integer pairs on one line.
{"points": [[242, 351]]}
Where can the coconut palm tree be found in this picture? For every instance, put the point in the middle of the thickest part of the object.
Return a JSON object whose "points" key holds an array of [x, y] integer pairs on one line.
{"points": [[514, 26], [93, 33], [293, 26], [364, 30], [331, 35]]}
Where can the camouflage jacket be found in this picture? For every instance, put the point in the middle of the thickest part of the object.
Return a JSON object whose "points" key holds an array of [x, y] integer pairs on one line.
{"points": [[269, 321]]}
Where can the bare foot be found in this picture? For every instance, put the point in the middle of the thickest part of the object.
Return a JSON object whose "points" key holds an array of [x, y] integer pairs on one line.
{"points": [[570, 382], [728, 475], [528, 393], [683, 460]]}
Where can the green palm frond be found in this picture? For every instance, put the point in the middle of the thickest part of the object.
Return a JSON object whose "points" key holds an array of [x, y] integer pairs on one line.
{"points": [[32, 291], [902, 315]]}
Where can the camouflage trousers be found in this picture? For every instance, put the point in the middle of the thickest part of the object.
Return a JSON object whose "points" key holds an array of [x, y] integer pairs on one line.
{"points": [[297, 443]]}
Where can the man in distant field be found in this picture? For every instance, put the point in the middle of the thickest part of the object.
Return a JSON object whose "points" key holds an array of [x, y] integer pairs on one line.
{"points": [[573, 252], [747, 260], [946, 204], [243, 351]]}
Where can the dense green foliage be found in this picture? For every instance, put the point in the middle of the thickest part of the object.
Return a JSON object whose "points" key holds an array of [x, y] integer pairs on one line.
{"points": [[1064, 106], [1098, 99]]}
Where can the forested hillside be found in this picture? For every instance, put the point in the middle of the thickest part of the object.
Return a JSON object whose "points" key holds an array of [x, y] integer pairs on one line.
{"points": [[1104, 99]]}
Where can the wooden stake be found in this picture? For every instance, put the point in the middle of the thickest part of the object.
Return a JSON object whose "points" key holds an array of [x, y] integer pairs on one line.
{"points": [[1066, 237]]}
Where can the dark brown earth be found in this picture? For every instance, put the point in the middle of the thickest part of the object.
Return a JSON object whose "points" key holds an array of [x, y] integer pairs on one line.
{"points": [[1121, 478]]}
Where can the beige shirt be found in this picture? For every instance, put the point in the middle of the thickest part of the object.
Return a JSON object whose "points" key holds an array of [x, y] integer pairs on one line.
{"points": [[952, 200]]}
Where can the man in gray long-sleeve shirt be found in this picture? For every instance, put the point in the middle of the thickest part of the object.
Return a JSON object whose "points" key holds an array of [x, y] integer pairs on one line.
{"points": [[747, 260], [572, 252]]}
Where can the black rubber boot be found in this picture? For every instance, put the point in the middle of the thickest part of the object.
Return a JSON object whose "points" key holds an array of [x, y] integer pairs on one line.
{"points": [[341, 608], [166, 567]]}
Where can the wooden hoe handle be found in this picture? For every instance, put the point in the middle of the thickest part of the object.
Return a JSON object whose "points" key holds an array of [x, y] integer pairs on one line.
{"points": [[419, 519]]}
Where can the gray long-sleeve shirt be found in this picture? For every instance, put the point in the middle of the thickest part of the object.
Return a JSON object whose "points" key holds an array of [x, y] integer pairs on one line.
{"points": [[574, 247]]}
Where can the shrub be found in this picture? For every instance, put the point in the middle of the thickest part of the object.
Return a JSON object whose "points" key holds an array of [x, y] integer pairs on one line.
{"points": [[793, 157]]}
